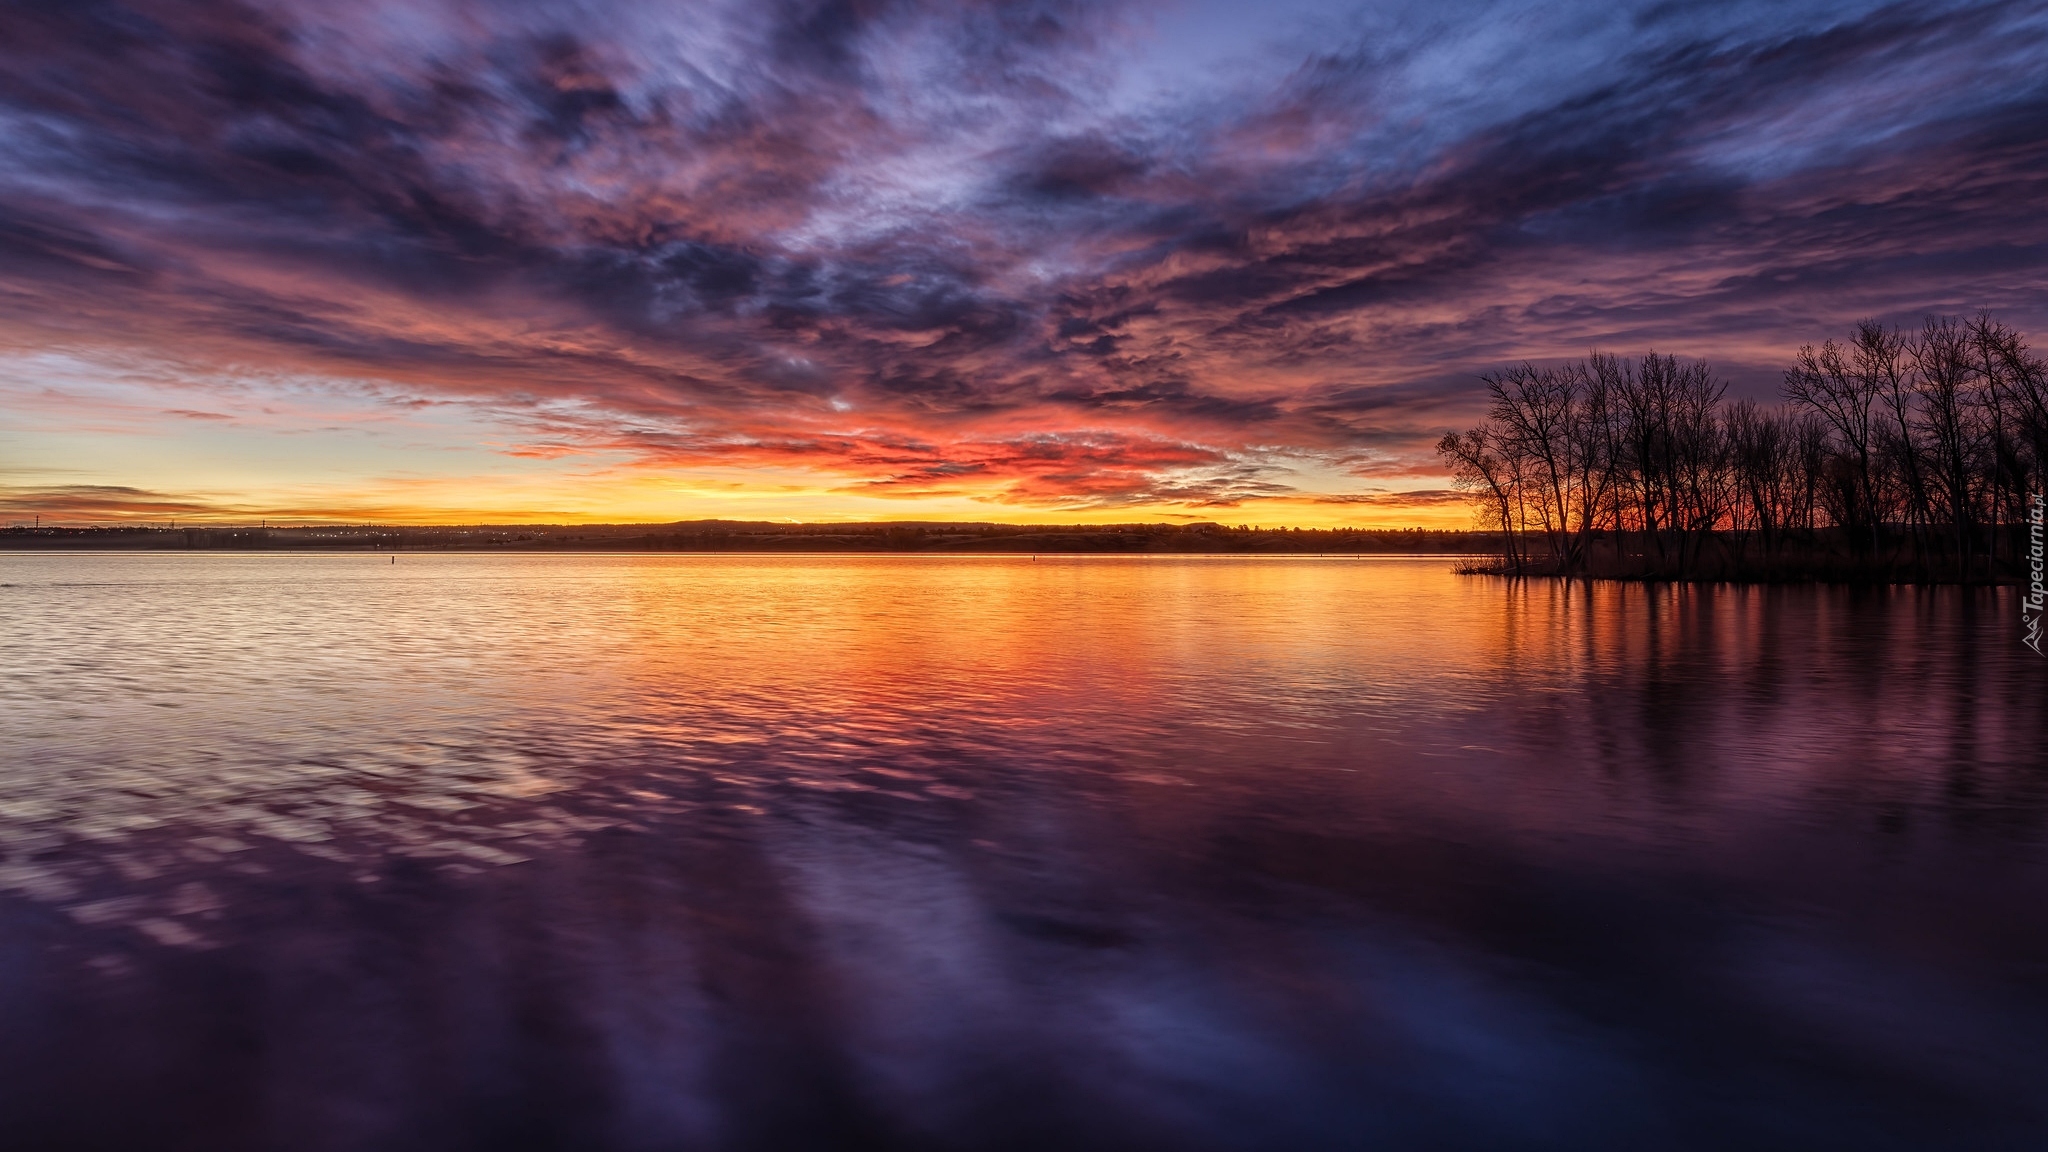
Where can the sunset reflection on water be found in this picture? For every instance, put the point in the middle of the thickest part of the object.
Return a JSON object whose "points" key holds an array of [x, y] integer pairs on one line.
{"points": [[651, 852]]}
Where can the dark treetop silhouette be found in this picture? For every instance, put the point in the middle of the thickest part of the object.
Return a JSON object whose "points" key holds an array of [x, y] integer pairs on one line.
{"points": [[1896, 456]]}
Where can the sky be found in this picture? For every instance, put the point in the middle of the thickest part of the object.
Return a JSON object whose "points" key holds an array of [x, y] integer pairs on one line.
{"points": [[648, 260]]}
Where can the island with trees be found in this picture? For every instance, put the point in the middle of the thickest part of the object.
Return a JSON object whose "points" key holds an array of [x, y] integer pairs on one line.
{"points": [[1894, 456]]}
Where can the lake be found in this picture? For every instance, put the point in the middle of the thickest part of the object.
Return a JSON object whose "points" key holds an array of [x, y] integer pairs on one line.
{"points": [[728, 852]]}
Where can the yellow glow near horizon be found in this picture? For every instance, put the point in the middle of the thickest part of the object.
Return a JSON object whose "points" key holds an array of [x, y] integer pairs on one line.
{"points": [[98, 440]]}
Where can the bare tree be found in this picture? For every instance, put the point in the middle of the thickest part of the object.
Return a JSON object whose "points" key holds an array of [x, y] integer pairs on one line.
{"points": [[1811, 443], [1594, 443], [1943, 434], [2026, 393], [1759, 454], [1533, 410], [1646, 406], [1698, 454], [2002, 402], [1477, 468], [1943, 371], [1824, 381], [1881, 365]]}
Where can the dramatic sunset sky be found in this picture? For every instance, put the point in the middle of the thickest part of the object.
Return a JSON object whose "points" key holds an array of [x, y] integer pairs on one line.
{"points": [[462, 260]]}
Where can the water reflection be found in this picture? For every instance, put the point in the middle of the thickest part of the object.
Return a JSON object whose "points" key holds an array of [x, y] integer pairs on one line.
{"points": [[616, 852]]}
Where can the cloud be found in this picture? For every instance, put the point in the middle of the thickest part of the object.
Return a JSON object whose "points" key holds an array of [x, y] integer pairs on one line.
{"points": [[920, 247], [113, 504], [98, 503]]}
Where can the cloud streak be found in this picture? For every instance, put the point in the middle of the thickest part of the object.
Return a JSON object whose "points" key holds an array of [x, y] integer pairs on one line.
{"points": [[919, 248]]}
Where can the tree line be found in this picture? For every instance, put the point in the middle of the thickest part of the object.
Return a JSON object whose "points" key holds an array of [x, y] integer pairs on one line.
{"points": [[1896, 455], [770, 537]]}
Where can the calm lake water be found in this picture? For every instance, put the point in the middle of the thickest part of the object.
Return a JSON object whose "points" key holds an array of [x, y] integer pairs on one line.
{"points": [[621, 852]]}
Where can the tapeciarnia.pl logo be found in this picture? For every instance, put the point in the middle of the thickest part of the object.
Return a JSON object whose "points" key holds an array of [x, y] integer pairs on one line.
{"points": [[2031, 604]]}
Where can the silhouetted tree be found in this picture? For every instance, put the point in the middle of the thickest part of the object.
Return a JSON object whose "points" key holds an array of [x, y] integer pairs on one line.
{"points": [[1917, 453]]}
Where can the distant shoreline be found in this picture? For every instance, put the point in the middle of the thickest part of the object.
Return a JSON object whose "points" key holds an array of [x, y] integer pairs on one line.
{"points": [[1717, 558], [757, 537]]}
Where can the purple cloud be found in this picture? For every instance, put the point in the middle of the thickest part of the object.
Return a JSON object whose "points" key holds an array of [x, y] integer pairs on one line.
{"points": [[910, 245]]}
